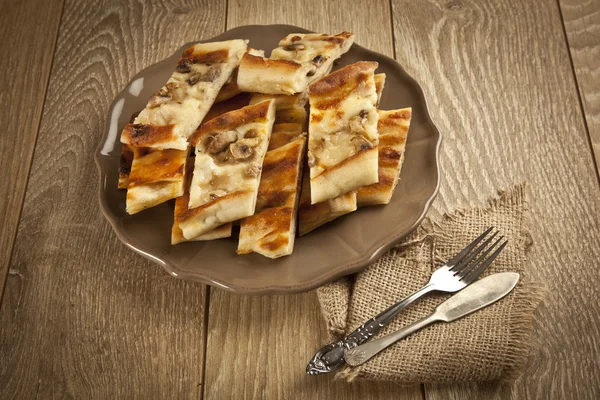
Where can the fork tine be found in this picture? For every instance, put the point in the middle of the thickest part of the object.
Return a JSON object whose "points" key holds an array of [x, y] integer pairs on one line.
{"points": [[477, 271], [467, 249], [467, 260], [468, 268]]}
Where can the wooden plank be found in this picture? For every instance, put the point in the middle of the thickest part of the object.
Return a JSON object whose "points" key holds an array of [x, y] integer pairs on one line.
{"points": [[83, 316], [29, 29], [258, 347], [500, 87], [581, 19]]}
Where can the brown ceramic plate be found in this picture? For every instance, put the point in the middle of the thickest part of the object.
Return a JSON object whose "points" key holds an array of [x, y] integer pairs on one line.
{"points": [[342, 247]]}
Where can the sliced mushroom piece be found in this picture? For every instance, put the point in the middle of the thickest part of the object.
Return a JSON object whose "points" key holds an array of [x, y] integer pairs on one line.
{"points": [[220, 141], [159, 99], [240, 150], [253, 170], [356, 125], [183, 67], [360, 143], [357, 122], [294, 46], [252, 133], [312, 70], [193, 79], [318, 60]]}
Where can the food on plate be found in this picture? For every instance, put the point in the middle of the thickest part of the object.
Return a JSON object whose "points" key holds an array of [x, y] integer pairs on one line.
{"points": [[125, 162], [181, 213], [299, 60], [312, 216], [393, 130], [246, 117], [271, 230], [342, 141], [229, 154], [156, 176], [231, 88], [379, 85], [174, 112]]}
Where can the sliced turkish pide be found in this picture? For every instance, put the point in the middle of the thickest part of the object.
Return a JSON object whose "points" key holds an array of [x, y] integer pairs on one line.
{"points": [[172, 114], [312, 216], [272, 229], [231, 88], [299, 60], [379, 85], [229, 154], [125, 161], [156, 176], [181, 213], [342, 142], [393, 131]]}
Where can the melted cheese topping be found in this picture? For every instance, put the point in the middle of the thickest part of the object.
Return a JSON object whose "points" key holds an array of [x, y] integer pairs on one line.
{"points": [[306, 48], [216, 177], [192, 92], [330, 138]]}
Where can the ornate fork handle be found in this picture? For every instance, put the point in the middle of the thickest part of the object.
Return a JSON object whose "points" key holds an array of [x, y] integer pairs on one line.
{"points": [[331, 357]]}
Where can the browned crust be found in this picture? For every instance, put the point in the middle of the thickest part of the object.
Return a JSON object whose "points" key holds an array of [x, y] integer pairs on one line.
{"points": [[282, 138], [280, 170], [275, 222], [157, 165], [145, 135], [255, 113], [393, 131], [192, 55], [125, 166], [229, 89], [339, 38], [192, 212], [345, 162], [349, 77], [256, 62], [234, 103]]}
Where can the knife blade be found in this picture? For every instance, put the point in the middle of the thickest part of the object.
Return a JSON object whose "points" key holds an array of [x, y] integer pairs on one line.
{"points": [[478, 295]]}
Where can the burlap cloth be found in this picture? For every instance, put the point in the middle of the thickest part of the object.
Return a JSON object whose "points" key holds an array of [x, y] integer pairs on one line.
{"points": [[490, 344]]}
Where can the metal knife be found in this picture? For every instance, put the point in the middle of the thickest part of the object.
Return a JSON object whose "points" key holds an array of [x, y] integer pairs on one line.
{"points": [[478, 295]]}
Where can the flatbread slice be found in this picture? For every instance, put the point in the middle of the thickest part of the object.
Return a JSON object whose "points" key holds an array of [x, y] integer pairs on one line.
{"points": [[231, 88], [271, 230], [312, 216], [235, 103], [284, 134], [181, 211], [229, 154], [125, 162], [175, 111], [299, 60], [379, 85], [156, 176], [282, 101], [393, 130], [342, 142]]}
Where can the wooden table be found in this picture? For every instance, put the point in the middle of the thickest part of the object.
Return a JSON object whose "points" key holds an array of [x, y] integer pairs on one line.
{"points": [[513, 86]]}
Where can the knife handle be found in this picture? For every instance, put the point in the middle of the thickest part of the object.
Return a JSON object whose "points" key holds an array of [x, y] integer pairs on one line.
{"points": [[365, 352]]}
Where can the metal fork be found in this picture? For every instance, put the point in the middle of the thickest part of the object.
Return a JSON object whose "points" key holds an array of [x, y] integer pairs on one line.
{"points": [[451, 277]]}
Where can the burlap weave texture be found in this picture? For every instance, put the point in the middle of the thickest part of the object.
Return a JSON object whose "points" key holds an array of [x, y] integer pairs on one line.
{"points": [[490, 344]]}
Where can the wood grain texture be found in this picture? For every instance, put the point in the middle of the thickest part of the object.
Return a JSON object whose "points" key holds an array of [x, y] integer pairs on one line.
{"points": [[28, 30], [83, 316], [258, 347], [500, 87], [581, 19]]}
